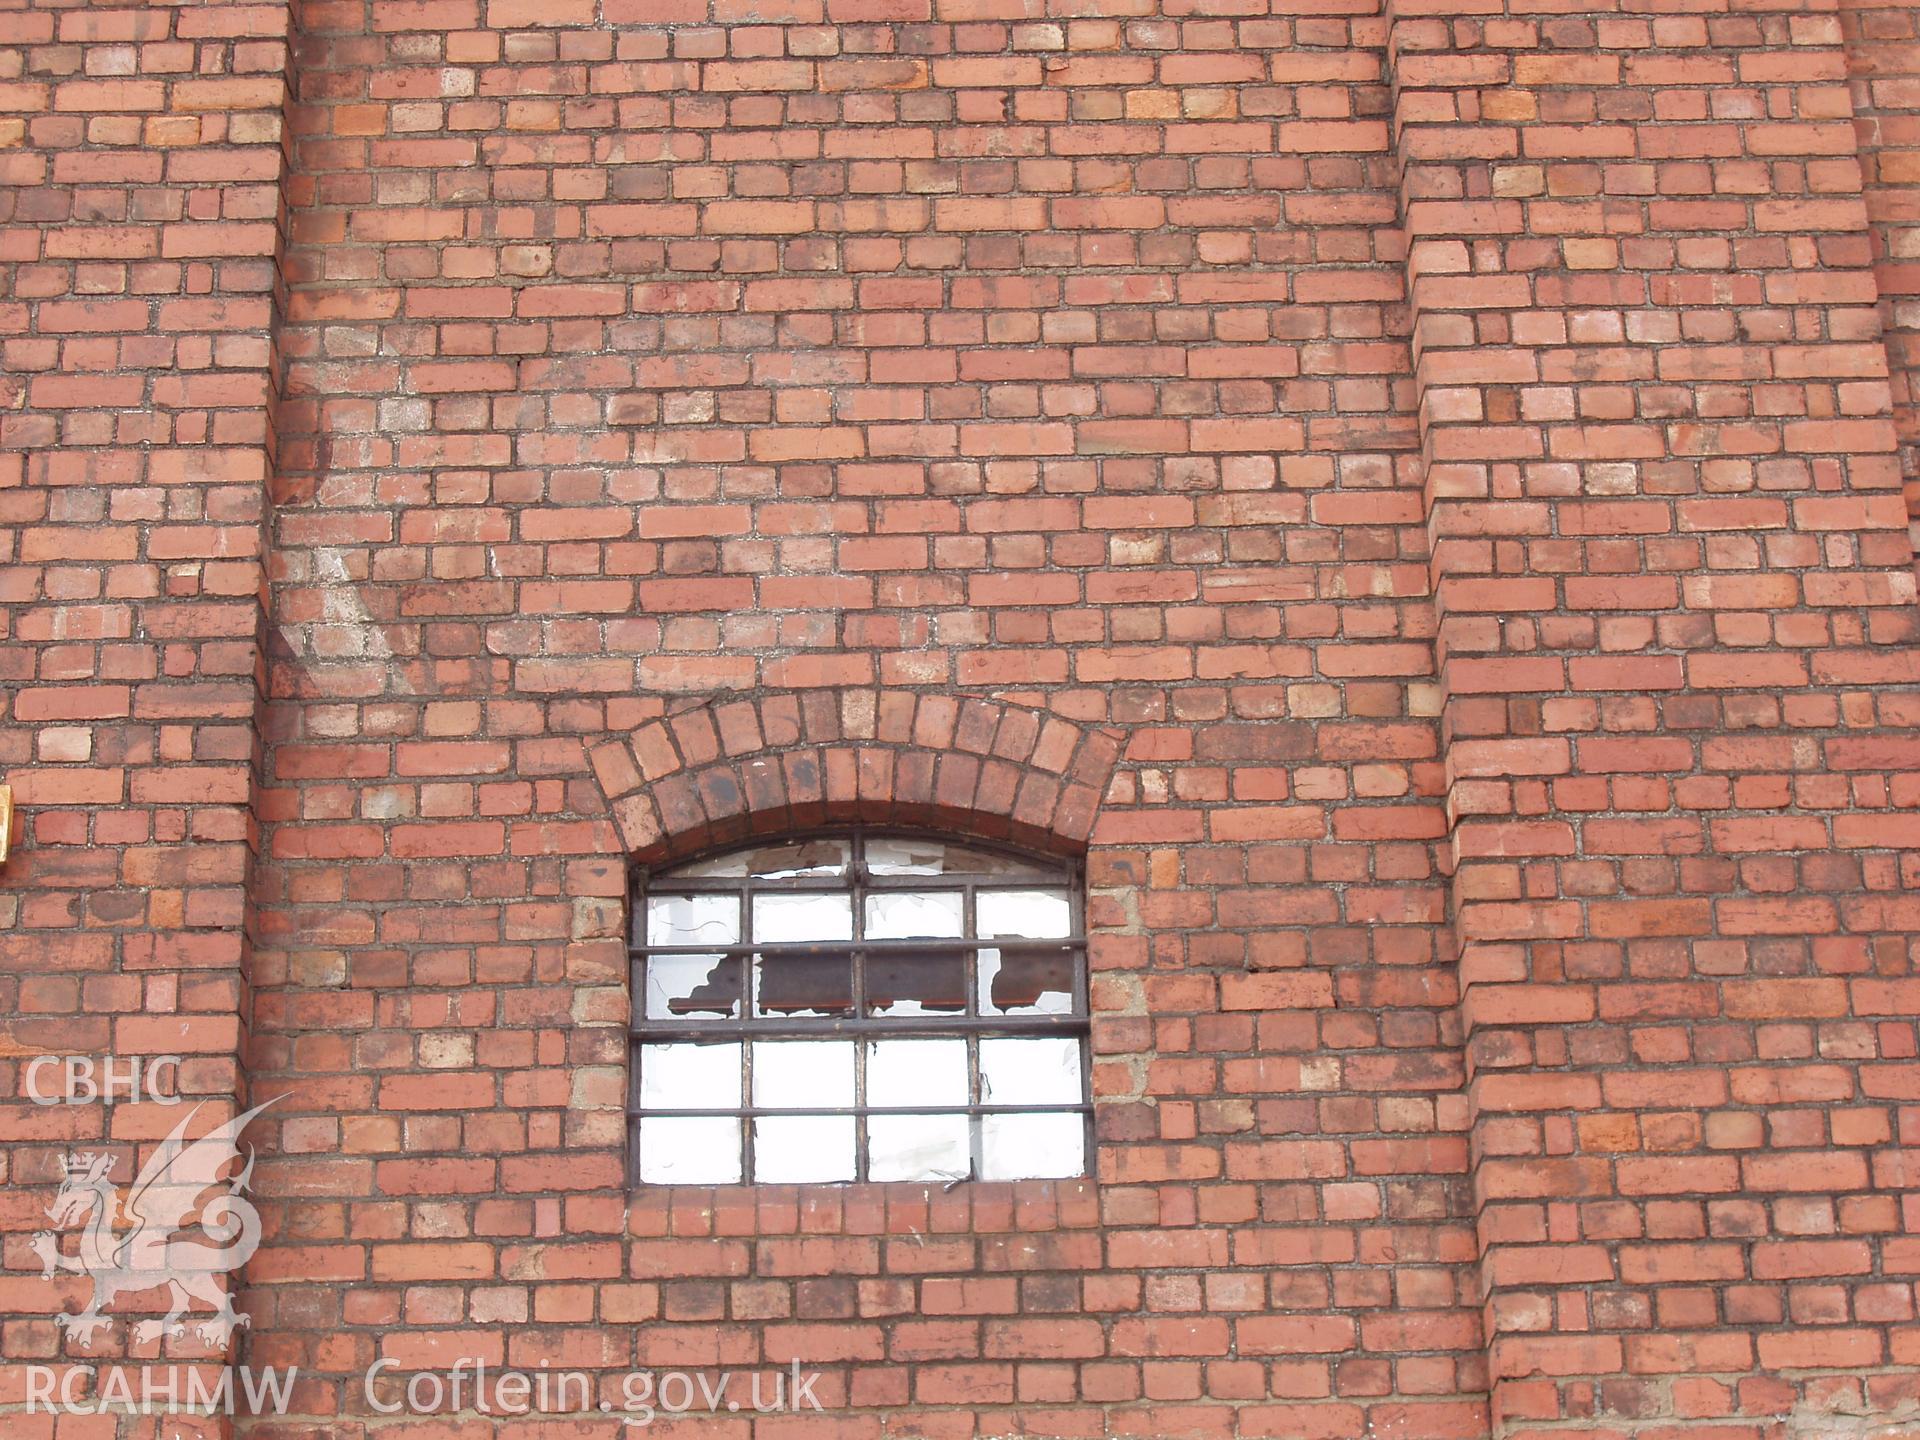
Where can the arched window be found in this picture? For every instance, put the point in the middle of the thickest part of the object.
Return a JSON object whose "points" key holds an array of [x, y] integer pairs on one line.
{"points": [[861, 1005]]}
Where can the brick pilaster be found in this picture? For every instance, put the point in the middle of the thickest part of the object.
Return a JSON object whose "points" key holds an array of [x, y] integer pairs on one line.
{"points": [[141, 168], [1669, 565], [1883, 70]]}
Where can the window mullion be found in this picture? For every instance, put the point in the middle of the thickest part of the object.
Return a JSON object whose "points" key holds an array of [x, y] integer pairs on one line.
{"points": [[976, 1123], [856, 881], [749, 971]]}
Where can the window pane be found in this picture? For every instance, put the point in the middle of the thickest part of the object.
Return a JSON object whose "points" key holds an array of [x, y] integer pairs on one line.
{"points": [[689, 1077], [1028, 914], [775, 862], [1027, 982], [802, 1074], [690, 1150], [693, 920], [797, 1149], [930, 984], [1032, 1147], [917, 1147], [907, 915], [916, 1072], [1043, 1071], [685, 987], [780, 919], [898, 855]]}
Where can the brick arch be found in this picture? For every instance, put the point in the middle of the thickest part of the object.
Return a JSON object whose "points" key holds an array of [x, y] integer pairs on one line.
{"points": [[737, 767]]}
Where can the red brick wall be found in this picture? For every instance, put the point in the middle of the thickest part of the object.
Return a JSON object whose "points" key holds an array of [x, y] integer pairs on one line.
{"points": [[1411, 491]]}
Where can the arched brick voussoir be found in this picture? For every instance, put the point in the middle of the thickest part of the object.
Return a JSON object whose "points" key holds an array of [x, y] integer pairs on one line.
{"points": [[778, 762]]}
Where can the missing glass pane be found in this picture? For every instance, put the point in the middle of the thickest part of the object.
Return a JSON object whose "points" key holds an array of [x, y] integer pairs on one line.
{"points": [[904, 855], [784, 861], [924, 984], [798, 987], [1026, 982], [927, 983]]}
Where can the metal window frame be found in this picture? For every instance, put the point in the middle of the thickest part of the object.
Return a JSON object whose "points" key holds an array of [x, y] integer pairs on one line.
{"points": [[857, 882]]}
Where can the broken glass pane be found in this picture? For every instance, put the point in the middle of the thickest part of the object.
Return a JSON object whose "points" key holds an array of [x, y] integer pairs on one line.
{"points": [[930, 1073], [1039, 1071], [780, 861], [1026, 982], [803, 985], [918, 1147], [931, 984], [1032, 1147], [690, 1150], [898, 855], [1029, 914], [684, 986], [801, 1149], [915, 1086], [1034, 982], [693, 919], [689, 1077], [802, 1074]]}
